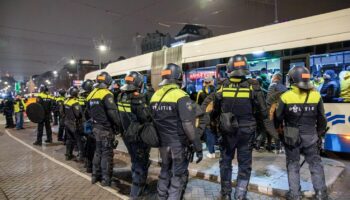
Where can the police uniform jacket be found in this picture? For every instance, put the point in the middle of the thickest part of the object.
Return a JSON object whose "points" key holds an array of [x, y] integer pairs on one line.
{"points": [[73, 113], [46, 101], [313, 119], [132, 108], [102, 109], [60, 105], [175, 110], [249, 104]]}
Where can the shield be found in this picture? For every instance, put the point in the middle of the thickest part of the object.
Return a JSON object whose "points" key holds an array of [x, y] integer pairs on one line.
{"points": [[35, 112]]}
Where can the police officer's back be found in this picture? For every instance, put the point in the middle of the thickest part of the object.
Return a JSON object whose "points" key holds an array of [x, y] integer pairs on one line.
{"points": [[134, 112], [90, 143], [174, 116], [8, 110], [60, 107], [103, 113], [46, 101], [301, 109], [239, 105], [73, 123]]}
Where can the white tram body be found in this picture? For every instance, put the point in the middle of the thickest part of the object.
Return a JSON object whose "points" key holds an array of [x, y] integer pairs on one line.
{"points": [[321, 42]]}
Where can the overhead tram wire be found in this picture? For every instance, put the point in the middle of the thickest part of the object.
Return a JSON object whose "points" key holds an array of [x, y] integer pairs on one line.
{"points": [[44, 32]]}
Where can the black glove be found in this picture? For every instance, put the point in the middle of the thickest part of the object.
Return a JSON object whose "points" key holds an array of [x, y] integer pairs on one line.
{"points": [[199, 155], [115, 143]]}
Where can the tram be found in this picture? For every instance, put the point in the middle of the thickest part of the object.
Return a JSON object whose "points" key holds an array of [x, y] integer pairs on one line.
{"points": [[321, 43]]}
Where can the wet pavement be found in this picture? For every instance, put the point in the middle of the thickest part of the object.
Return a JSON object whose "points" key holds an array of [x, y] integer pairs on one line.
{"points": [[26, 174]]}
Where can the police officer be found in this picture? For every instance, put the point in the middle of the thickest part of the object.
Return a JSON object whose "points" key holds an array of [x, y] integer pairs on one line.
{"points": [[104, 115], [89, 145], [8, 110], [237, 104], [174, 116], [302, 107], [134, 112], [46, 101], [73, 123], [60, 107], [115, 89]]}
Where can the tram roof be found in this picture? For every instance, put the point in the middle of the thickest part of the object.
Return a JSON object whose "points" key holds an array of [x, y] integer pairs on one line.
{"points": [[318, 29]]}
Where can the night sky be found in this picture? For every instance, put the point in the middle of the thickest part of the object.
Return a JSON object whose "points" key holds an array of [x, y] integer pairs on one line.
{"points": [[41, 35]]}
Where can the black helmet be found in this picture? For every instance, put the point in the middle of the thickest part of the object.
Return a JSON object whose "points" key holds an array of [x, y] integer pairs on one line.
{"points": [[43, 88], [300, 77], [73, 91], [87, 85], [104, 78], [62, 92], [171, 73], [133, 81], [237, 66]]}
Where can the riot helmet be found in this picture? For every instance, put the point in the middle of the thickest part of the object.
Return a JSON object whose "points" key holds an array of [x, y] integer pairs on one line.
{"points": [[62, 92], [87, 85], [73, 91], [104, 80], [237, 66], [133, 81], [43, 88], [171, 73], [300, 77]]}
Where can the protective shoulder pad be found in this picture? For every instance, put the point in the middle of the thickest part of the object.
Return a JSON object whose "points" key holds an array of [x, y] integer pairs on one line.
{"points": [[255, 85]]}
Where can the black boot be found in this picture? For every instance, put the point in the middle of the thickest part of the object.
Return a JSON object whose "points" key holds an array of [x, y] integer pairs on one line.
{"points": [[226, 189], [69, 156], [321, 195], [106, 182], [95, 179], [241, 190], [291, 196], [37, 143], [224, 197], [48, 141]]}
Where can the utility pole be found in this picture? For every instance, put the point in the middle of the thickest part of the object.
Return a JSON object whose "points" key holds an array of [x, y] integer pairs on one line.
{"points": [[276, 12]]}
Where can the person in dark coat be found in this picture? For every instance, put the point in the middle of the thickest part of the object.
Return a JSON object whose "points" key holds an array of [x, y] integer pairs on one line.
{"points": [[331, 87], [8, 110]]}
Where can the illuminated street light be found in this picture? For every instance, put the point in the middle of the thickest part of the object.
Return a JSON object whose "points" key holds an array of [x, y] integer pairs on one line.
{"points": [[6, 82], [102, 48], [72, 61], [55, 72]]}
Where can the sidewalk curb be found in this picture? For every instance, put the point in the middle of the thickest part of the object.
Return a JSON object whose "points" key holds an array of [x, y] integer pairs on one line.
{"points": [[252, 187]]}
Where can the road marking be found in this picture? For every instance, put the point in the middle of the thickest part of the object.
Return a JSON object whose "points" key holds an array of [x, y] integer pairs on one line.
{"points": [[114, 192]]}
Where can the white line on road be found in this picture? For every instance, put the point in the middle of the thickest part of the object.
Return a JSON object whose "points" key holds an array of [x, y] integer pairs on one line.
{"points": [[114, 192]]}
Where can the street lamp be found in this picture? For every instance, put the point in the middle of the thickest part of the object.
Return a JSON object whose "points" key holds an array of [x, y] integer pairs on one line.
{"points": [[72, 61], [6, 82], [102, 48], [55, 72]]}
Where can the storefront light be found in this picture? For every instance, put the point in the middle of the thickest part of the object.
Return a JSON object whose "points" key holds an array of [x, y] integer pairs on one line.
{"points": [[258, 53]]}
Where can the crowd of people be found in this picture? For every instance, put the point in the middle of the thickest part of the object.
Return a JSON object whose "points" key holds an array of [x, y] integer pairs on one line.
{"points": [[236, 116]]}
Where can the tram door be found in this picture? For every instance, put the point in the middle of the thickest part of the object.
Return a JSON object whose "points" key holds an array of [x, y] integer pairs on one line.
{"points": [[288, 62]]}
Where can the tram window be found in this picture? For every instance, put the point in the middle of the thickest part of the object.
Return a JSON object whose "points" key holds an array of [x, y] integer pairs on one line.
{"points": [[331, 76], [267, 67]]}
